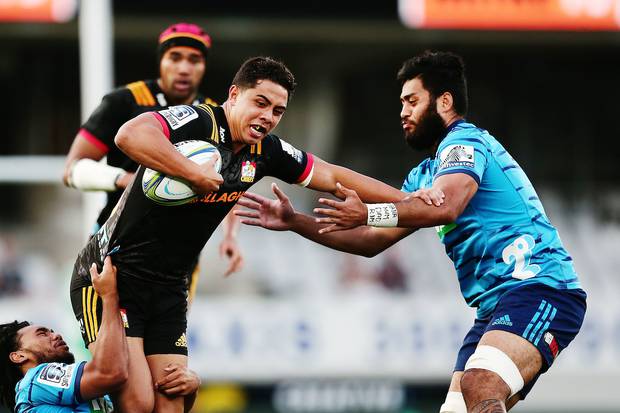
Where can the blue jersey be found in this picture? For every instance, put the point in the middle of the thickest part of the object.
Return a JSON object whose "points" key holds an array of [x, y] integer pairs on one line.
{"points": [[503, 238], [55, 388]]}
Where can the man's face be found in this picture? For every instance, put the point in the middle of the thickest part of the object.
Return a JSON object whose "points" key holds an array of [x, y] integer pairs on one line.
{"points": [[181, 70], [256, 111], [422, 125], [42, 345]]}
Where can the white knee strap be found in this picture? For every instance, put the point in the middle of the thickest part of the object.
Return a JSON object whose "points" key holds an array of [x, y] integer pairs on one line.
{"points": [[454, 403], [493, 359]]}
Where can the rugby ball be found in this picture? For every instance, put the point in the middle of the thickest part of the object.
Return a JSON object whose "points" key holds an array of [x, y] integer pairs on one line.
{"points": [[164, 190]]}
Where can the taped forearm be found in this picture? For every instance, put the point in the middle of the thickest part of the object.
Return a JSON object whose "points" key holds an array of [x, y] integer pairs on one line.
{"points": [[90, 175]]}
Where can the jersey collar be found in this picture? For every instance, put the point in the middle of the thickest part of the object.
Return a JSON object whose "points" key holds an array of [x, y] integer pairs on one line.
{"points": [[222, 124], [453, 125]]}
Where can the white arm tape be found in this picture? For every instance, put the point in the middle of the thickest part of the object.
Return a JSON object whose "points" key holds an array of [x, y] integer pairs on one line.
{"points": [[493, 359], [382, 215], [90, 175], [455, 403]]}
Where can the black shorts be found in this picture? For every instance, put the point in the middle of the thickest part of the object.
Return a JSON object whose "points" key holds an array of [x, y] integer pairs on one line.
{"points": [[155, 312]]}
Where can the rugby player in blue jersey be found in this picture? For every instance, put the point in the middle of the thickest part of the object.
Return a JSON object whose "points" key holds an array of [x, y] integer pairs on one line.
{"points": [[510, 262], [39, 373]]}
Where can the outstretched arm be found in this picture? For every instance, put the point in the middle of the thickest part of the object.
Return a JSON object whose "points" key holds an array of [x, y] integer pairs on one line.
{"points": [[279, 215], [411, 212], [326, 176], [108, 370]]}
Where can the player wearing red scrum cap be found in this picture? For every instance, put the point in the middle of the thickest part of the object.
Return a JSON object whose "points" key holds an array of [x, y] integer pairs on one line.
{"points": [[182, 51]]}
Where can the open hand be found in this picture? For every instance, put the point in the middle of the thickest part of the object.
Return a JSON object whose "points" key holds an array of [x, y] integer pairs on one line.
{"points": [[346, 214], [275, 214], [431, 196]]}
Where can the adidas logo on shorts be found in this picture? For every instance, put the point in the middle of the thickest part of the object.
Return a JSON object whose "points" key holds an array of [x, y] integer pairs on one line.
{"points": [[182, 341], [503, 320]]}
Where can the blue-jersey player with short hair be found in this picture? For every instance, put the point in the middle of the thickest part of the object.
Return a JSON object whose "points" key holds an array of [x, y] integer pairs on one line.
{"points": [[510, 262]]}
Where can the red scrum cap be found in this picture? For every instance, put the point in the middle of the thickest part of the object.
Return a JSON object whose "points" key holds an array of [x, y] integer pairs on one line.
{"points": [[184, 34]]}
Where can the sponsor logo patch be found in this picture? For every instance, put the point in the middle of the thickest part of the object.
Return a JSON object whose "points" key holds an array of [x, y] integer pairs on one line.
{"points": [[219, 197], [552, 343], [248, 171], [457, 155], [222, 134], [57, 375], [291, 150], [178, 116], [124, 318]]}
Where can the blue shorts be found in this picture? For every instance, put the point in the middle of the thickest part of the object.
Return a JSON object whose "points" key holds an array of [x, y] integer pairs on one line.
{"points": [[547, 317]]}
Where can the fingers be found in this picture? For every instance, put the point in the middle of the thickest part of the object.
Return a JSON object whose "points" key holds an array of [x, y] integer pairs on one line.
{"points": [[246, 213], [332, 228], [235, 264], [327, 212], [424, 196], [251, 222], [213, 160], [246, 203], [93, 271], [254, 197], [433, 196], [107, 264], [330, 202], [179, 390], [278, 192], [345, 190], [172, 375]]}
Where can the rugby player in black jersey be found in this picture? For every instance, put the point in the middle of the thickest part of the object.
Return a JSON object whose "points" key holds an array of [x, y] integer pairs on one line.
{"points": [[182, 51], [153, 245]]}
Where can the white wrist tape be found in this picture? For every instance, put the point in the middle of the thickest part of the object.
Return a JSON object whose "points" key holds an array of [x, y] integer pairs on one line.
{"points": [[382, 215], [493, 359], [90, 175], [455, 403]]}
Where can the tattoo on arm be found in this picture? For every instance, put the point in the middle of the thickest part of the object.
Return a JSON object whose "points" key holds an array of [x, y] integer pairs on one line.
{"points": [[489, 406]]}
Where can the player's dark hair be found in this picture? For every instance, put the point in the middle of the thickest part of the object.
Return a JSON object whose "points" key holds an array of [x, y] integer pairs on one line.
{"points": [[439, 72], [264, 68], [10, 373]]}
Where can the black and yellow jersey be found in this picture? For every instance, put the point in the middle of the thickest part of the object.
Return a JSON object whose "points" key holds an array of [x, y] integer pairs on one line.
{"points": [[116, 108], [160, 243]]}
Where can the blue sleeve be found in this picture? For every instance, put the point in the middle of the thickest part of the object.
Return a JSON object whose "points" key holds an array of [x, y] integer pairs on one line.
{"points": [[411, 182], [58, 384], [48, 408], [463, 152]]}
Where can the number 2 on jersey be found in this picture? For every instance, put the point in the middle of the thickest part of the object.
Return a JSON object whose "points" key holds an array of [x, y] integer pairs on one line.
{"points": [[520, 252]]}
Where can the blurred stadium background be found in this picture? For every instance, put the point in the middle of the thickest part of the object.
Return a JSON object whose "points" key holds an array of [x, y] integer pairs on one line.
{"points": [[303, 328]]}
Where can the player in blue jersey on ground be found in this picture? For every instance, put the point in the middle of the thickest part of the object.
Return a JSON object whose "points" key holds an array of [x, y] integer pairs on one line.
{"points": [[39, 373], [509, 260]]}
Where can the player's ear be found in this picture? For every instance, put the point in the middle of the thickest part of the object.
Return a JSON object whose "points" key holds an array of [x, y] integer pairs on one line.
{"points": [[233, 93], [18, 357], [445, 102]]}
